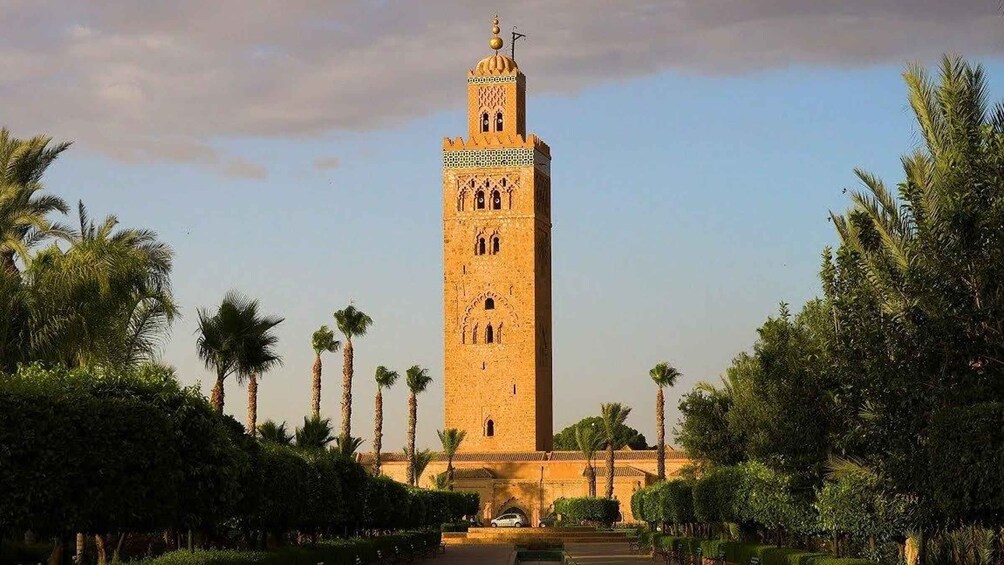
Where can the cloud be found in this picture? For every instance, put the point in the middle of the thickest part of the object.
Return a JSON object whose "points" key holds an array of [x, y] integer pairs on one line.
{"points": [[325, 163], [161, 80], [245, 169]]}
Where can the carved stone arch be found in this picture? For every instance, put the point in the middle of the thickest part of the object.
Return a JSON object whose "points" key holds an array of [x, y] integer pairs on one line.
{"points": [[475, 317]]}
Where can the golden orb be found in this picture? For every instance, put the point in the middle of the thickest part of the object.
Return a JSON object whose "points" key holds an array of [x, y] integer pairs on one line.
{"points": [[496, 30], [495, 43]]}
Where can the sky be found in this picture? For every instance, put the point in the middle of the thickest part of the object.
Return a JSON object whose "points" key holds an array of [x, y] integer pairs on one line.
{"points": [[292, 150]]}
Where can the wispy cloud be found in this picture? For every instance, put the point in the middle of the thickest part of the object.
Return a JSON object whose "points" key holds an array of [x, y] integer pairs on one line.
{"points": [[326, 163], [161, 80]]}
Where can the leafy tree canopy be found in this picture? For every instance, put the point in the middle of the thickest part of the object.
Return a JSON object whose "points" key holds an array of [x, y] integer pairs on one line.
{"points": [[625, 435]]}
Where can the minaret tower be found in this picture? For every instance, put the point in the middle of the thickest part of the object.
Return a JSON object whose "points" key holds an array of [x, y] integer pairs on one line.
{"points": [[497, 267]]}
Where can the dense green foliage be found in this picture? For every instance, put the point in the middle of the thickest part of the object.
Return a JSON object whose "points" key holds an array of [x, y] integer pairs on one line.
{"points": [[626, 435], [334, 552], [588, 509], [148, 454], [877, 411]]}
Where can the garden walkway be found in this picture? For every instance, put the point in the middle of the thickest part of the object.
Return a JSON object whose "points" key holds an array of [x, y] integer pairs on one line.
{"points": [[604, 553]]}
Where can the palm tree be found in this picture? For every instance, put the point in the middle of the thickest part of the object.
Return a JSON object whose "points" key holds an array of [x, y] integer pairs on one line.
{"points": [[589, 439], [614, 414], [385, 378], [322, 340], [352, 323], [347, 447], [663, 374], [419, 462], [234, 341], [418, 380], [105, 300], [23, 212], [451, 438], [258, 358], [271, 432], [315, 433]]}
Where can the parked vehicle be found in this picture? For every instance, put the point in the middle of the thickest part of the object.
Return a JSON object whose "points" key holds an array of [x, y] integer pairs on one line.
{"points": [[548, 521], [511, 520]]}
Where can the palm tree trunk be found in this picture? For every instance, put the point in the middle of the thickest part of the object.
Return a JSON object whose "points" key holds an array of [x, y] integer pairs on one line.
{"points": [[7, 262], [591, 479], [449, 473], [347, 389], [217, 397], [315, 401], [252, 405], [81, 545], [377, 431], [610, 469], [99, 542], [412, 417], [660, 424]]}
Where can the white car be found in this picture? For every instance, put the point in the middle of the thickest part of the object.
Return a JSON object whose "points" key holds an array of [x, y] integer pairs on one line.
{"points": [[512, 520]]}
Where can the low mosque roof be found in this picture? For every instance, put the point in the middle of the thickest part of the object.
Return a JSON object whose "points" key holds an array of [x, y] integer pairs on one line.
{"points": [[618, 472], [531, 456]]}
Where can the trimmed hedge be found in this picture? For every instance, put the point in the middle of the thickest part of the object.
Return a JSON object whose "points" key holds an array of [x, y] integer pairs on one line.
{"points": [[741, 553], [588, 509], [336, 552]]}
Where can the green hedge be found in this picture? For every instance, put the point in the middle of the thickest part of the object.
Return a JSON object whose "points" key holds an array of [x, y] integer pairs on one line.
{"points": [[742, 552], [135, 452], [588, 509], [337, 552]]}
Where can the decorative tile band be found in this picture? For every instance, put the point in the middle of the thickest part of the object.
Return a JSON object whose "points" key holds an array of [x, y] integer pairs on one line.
{"points": [[491, 79], [504, 157]]}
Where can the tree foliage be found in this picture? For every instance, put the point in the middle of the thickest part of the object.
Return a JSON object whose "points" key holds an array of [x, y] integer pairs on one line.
{"points": [[625, 435]]}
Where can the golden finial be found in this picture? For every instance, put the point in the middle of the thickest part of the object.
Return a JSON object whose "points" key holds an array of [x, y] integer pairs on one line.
{"points": [[495, 42]]}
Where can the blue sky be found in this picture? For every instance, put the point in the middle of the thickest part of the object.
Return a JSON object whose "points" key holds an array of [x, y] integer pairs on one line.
{"points": [[292, 151]]}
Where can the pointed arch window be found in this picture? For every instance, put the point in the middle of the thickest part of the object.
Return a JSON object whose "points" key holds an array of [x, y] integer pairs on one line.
{"points": [[474, 335], [489, 304], [484, 122], [498, 121], [489, 334], [479, 249], [496, 200], [490, 428], [479, 200], [495, 245]]}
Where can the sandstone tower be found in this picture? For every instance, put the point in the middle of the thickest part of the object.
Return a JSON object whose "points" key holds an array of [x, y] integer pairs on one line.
{"points": [[497, 268]]}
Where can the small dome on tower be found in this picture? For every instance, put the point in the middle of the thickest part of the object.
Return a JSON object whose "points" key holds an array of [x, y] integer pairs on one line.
{"points": [[496, 64]]}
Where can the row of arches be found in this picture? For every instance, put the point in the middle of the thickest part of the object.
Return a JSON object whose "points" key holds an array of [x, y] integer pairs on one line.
{"points": [[495, 193], [486, 121], [489, 246], [491, 335]]}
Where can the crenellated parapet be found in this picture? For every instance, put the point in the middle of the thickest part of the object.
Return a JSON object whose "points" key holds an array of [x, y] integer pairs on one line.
{"points": [[497, 140]]}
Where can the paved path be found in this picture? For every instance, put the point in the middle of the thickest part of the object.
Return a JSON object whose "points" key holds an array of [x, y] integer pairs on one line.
{"points": [[605, 553], [473, 555]]}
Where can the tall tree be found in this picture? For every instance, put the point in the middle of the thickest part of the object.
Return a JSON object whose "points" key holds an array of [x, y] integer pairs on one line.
{"points": [[418, 380], [233, 340], [589, 438], [664, 375], [385, 378], [104, 300], [613, 414], [258, 358], [322, 341], [419, 462], [24, 213], [352, 323], [451, 438]]}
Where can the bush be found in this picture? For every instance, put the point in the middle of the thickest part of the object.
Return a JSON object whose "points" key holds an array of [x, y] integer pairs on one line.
{"points": [[765, 497], [677, 499], [588, 509], [714, 495]]}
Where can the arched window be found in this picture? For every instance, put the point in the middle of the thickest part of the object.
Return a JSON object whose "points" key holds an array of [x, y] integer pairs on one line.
{"points": [[489, 428], [489, 334], [480, 250], [489, 303], [498, 121], [479, 200], [496, 200], [495, 244], [484, 122]]}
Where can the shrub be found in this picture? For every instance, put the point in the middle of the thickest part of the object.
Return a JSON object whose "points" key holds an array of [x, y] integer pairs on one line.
{"points": [[677, 499], [765, 497], [714, 495], [588, 509]]}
